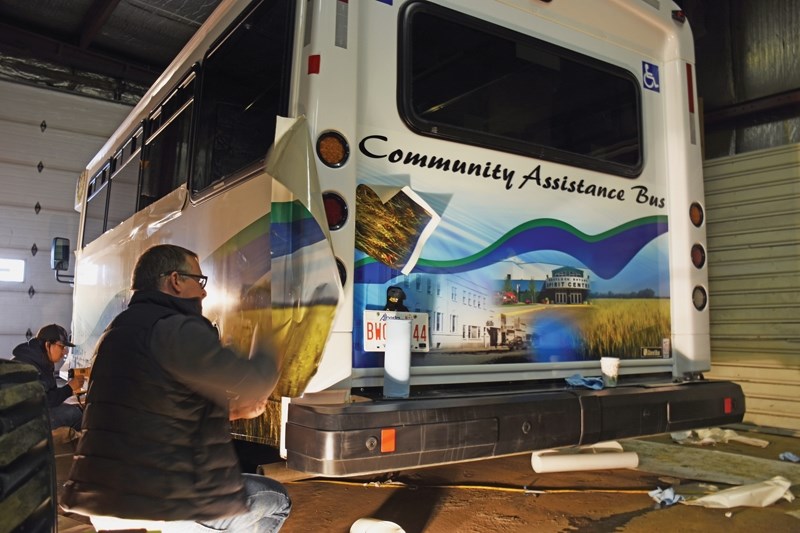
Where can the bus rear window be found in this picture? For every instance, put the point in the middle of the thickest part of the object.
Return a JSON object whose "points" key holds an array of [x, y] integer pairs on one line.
{"points": [[466, 80]]}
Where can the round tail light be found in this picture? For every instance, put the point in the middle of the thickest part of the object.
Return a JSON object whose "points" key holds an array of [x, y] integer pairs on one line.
{"points": [[335, 210], [332, 149], [699, 298], [698, 256], [696, 214]]}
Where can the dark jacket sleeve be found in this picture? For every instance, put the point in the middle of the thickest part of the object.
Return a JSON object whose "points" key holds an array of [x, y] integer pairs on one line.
{"points": [[190, 350], [57, 395]]}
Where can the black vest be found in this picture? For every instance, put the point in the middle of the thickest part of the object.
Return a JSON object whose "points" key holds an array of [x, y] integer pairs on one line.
{"points": [[152, 448]]}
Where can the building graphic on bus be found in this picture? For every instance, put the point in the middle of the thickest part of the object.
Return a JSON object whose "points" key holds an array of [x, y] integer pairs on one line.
{"points": [[566, 285]]}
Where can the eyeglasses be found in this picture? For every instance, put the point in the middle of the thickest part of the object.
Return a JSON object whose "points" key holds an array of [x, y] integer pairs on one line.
{"points": [[202, 280], [60, 345]]}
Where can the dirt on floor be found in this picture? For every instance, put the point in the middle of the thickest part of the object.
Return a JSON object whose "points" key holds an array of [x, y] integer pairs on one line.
{"points": [[505, 494]]}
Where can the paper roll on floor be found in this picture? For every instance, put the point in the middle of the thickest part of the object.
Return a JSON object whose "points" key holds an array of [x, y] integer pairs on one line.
{"points": [[374, 525], [603, 456]]}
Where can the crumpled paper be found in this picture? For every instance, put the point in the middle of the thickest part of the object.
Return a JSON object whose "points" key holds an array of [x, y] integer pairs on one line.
{"points": [[759, 494], [703, 437], [665, 497], [789, 456]]}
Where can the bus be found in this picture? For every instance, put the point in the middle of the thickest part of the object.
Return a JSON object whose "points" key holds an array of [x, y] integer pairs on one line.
{"points": [[519, 180]]}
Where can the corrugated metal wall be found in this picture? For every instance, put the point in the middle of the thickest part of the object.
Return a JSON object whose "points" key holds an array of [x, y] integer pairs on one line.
{"points": [[746, 50], [753, 222], [46, 139]]}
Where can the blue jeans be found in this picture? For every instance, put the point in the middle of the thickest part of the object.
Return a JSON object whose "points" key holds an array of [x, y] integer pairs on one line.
{"points": [[268, 505], [267, 501], [66, 415]]}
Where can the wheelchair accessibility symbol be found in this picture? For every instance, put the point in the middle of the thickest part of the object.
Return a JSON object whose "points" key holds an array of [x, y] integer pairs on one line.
{"points": [[650, 77]]}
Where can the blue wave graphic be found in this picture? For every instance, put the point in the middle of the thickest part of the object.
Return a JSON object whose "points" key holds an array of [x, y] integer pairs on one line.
{"points": [[605, 255], [288, 237]]}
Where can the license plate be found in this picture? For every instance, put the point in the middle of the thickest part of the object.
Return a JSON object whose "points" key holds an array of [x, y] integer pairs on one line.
{"points": [[375, 329]]}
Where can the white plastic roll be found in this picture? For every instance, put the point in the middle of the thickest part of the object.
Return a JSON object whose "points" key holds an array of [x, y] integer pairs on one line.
{"points": [[373, 525], [397, 359], [562, 462]]}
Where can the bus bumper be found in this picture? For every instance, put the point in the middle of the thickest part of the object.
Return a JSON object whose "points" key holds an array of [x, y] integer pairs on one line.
{"points": [[387, 435]]}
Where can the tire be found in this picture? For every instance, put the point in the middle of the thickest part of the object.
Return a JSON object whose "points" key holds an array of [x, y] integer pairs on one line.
{"points": [[27, 462]]}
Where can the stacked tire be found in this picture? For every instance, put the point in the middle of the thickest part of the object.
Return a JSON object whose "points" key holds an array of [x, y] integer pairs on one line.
{"points": [[27, 463]]}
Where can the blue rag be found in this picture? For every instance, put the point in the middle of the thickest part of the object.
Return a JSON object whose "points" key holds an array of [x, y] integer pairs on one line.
{"points": [[789, 456], [665, 497], [576, 380]]}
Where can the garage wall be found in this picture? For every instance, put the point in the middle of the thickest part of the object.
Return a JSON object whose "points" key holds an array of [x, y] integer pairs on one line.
{"points": [[46, 139], [753, 214]]}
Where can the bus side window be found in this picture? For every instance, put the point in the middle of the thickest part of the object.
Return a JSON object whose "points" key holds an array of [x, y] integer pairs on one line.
{"points": [[125, 181], [96, 204], [165, 165], [244, 86]]}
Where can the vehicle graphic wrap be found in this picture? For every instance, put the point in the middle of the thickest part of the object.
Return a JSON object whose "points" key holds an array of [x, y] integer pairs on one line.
{"points": [[586, 278]]}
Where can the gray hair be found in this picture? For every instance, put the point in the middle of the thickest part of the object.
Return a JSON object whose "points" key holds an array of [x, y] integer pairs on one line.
{"points": [[157, 261]]}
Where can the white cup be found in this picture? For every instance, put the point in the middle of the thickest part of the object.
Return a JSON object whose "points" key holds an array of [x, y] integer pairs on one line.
{"points": [[609, 366], [374, 525]]}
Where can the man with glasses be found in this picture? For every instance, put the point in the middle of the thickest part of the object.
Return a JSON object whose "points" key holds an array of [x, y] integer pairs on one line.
{"points": [[156, 450], [48, 347]]}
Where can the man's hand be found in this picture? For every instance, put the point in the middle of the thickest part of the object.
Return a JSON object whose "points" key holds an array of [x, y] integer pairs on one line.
{"points": [[247, 409], [76, 384]]}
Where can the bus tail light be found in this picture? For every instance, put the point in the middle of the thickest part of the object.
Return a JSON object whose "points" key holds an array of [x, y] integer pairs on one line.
{"points": [[696, 215], [342, 272], [698, 256], [699, 298], [332, 149], [335, 210]]}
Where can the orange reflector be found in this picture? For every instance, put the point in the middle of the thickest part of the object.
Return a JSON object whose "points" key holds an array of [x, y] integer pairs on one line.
{"points": [[728, 406], [387, 440], [332, 149], [696, 214]]}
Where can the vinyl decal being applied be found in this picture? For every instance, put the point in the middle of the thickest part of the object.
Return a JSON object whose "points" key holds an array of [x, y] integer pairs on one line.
{"points": [[525, 265]]}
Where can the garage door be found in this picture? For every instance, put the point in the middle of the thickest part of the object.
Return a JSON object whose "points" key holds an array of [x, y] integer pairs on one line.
{"points": [[46, 139], [753, 209]]}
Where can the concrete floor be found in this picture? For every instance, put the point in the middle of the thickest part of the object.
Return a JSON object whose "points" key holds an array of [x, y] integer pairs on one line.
{"points": [[506, 495]]}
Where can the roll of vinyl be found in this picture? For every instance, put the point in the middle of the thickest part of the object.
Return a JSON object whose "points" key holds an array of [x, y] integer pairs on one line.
{"points": [[565, 462], [397, 359], [374, 525]]}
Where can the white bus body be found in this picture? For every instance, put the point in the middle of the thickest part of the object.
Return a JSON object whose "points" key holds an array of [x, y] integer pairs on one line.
{"points": [[522, 166]]}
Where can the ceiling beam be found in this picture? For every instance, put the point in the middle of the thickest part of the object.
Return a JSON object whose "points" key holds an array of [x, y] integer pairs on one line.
{"points": [[21, 43], [771, 108], [94, 19]]}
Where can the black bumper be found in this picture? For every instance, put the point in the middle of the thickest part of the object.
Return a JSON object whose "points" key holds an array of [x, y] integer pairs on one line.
{"points": [[352, 439]]}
